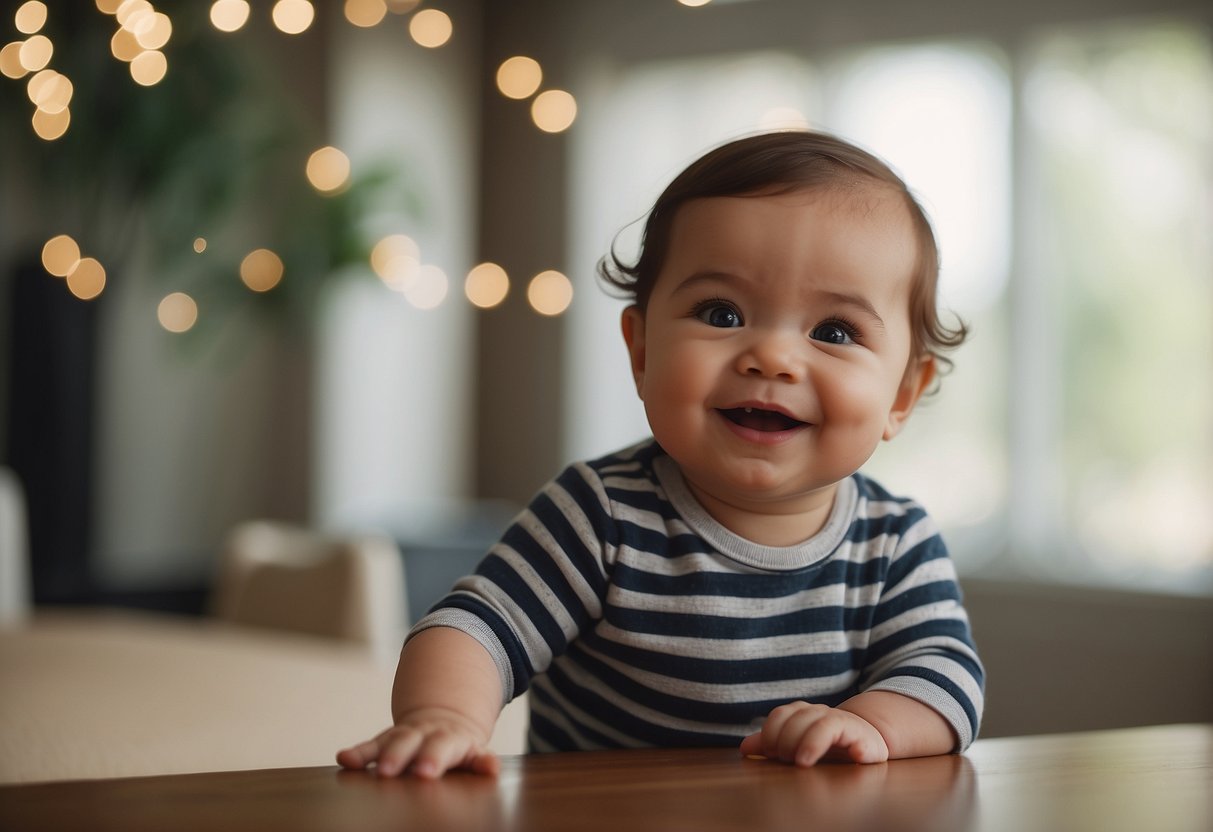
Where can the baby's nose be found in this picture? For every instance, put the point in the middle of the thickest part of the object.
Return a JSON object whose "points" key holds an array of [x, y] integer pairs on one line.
{"points": [[774, 355]]}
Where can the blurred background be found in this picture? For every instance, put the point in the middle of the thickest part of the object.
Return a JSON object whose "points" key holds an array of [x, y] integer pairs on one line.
{"points": [[333, 263]]}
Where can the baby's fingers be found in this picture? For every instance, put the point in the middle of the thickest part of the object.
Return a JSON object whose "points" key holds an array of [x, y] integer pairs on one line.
{"points": [[752, 745], [359, 756], [444, 751], [398, 749]]}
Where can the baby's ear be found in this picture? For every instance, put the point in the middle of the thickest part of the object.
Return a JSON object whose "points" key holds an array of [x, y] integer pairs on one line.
{"points": [[633, 335], [917, 379]]}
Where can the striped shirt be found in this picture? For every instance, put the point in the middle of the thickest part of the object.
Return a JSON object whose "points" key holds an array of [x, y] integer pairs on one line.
{"points": [[635, 619]]}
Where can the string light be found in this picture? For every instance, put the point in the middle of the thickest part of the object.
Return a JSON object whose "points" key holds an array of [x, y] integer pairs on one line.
{"points": [[486, 285], [430, 28], [148, 68], [10, 61], [30, 17], [141, 35], [60, 255], [261, 270], [129, 12], [58, 96], [553, 111], [365, 13], [549, 293], [396, 259], [177, 312], [428, 290], [86, 280], [51, 126], [328, 169], [154, 31], [36, 53], [229, 15], [293, 17], [518, 77]]}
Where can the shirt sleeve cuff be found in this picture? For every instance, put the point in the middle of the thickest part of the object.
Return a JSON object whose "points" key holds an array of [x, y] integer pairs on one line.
{"points": [[473, 626]]}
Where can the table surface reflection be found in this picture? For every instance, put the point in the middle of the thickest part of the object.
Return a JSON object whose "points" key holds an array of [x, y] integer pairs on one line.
{"points": [[1157, 778]]}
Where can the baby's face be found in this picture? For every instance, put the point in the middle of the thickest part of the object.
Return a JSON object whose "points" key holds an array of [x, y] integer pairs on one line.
{"points": [[772, 357]]}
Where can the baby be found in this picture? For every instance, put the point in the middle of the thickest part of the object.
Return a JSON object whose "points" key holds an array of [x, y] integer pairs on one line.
{"points": [[733, 580]]}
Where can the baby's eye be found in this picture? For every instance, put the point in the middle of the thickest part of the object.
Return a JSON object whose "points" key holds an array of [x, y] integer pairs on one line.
{"points": [[833, 332], [719, 314]]}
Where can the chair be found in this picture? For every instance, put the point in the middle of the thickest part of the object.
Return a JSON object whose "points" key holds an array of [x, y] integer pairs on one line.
{"points": [[14, 551], [286, 577]]}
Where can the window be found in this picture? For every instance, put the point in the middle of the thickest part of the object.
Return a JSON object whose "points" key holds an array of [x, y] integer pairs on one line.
{"points": [[1120, 126], [1072, 202]]}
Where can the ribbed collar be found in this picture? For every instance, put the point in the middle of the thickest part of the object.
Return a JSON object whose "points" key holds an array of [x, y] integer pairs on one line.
{"points": [[811, 552]]}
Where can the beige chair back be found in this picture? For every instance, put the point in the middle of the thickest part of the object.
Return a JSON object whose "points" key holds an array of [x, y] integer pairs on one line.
{"points": [[285, 577], [14, 551]]}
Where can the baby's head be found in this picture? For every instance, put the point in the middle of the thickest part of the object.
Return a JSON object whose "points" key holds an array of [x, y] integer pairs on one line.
{"points": [[784, 324], [785, 162]]}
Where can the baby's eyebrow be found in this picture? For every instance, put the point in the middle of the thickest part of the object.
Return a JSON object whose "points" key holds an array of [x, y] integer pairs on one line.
{"points": [[697, 278], [858, 301]]}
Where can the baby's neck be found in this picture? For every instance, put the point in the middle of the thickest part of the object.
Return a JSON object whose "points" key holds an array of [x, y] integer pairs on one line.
{"points": [[786, 523]]}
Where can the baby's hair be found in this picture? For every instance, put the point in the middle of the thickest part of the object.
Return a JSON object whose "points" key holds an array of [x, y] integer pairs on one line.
{"points": [[783, 162]]}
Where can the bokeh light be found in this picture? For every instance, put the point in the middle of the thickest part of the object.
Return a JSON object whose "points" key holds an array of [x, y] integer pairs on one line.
{"points": [[694, 3], [178, 312], [328, 169], [154, 31], [36, 53], [200, 244], [129, 12], [39, 85], [10, 60], [486, 285], [428, 290], [293, 17], [50, 126], [397, 260], [86, 280], [553, 111], [518, 77], [149, 68], [229, 15], [30, 17], [430, 28], [60, 255], [124, 46], [365, 13], [549, 293], [261, 270], [57, 94], [108, 6]]}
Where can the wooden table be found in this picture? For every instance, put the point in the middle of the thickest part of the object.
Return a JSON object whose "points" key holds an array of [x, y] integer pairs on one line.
{"points": [[1158, 779]]}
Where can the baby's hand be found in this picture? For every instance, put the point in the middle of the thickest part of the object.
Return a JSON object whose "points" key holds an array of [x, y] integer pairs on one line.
{"points": [[426, 743], [803, 733]]}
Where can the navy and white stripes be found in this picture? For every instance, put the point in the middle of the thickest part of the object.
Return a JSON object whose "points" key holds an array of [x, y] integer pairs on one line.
{"points": [[635, 619]]}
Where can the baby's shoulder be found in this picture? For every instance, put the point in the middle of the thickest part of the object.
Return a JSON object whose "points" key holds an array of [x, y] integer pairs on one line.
{"points": [[880, 511]]}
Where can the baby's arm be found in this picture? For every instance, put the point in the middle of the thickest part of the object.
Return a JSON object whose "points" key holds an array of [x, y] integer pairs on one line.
{"points": [[445, 701], [868, 728]]}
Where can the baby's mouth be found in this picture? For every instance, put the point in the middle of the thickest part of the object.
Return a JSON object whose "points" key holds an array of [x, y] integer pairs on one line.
{"points": [[768, 421]]}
